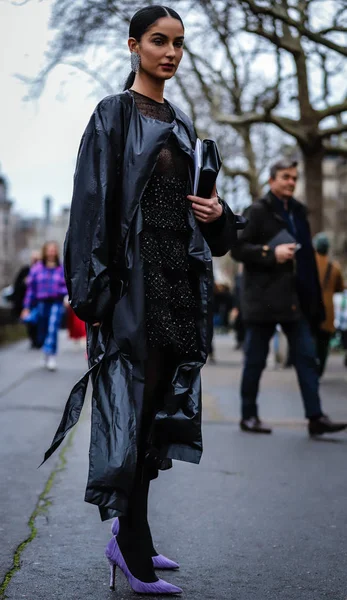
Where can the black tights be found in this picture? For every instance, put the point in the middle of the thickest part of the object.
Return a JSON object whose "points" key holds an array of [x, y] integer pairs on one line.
{"points": [[134, 537]]}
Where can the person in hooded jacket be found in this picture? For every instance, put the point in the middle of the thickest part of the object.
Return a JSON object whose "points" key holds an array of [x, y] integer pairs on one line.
{"points": [[138, 264]]}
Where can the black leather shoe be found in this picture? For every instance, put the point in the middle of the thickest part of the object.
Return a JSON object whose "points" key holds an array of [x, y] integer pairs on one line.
{"points": [[324, 425], [254, 425]]}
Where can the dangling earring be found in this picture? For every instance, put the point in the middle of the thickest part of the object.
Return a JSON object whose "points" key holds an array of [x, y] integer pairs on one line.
{"points": [[135, 60]]}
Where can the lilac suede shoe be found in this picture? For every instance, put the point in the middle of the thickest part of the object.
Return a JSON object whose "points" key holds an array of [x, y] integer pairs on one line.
{"points": [[115, 558], [160, 561]]}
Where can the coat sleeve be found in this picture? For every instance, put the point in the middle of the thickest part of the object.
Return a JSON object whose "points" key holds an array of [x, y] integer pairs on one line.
{"points": [[248, 250], [221, 235], [87, 243]]}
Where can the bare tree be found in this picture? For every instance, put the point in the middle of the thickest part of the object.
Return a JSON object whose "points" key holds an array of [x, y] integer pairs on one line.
{"points": [[316, 114], [91, 37], [252, 68]]}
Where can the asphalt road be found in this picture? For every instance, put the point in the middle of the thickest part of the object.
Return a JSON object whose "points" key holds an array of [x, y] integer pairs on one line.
{"points": [[260, 518]]}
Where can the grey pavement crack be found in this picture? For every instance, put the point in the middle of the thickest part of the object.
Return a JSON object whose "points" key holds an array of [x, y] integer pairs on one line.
{"points": [[41, 507]]}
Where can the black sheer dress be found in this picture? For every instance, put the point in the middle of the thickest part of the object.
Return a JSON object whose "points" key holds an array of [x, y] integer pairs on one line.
{"points": [[171, 307]]}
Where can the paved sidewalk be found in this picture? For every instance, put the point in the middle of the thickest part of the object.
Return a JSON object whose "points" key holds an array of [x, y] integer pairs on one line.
{"points": [[262, 517]]}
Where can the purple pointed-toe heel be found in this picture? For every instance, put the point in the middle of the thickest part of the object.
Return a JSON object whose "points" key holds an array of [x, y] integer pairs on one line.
{"points": [[115, 558], [112, 575], [115, 527], [162, 562], [159, 561]]}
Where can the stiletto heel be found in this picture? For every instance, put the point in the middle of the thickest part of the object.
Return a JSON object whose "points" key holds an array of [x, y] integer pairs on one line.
{"points": [[112, 575], [115, 558], [159, 561]]}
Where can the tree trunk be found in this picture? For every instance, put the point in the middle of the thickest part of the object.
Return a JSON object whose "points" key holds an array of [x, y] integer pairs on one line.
{"points": [[313, 173], [312, 150], [254, 185]]}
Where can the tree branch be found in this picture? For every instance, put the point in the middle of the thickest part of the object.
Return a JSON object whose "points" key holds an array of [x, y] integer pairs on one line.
{"points": [[229, 172], [333, 110], [187, 97], [278, 13], [333, 29], [205, 88], [335, 150], [278, 41], [289, 126], [326, 133]]}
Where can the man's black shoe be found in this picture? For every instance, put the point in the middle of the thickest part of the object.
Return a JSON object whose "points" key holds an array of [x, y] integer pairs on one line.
{"points": [[324, 425], [254, 425]]}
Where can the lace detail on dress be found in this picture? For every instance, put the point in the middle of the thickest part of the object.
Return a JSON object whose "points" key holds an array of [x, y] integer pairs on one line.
{"points": [[160, 111], [172, 162], [171, 307]]}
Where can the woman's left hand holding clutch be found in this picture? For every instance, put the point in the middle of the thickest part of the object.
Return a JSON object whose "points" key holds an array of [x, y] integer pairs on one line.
{"points": [[206, 210]]}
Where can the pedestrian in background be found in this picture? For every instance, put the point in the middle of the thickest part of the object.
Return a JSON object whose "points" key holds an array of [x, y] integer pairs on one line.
{"points": [[222, 305], [138, 260], [280, 286], [76, 327], [340, 307], [331, 281], [238, 324], [45, 292], [19, 291], [223, 300]]}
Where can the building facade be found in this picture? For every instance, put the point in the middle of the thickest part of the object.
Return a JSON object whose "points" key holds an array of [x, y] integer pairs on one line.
{"points": [[7, 237], [32, 233]]}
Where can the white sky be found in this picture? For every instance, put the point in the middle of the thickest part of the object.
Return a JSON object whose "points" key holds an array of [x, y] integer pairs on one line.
{"points": [[38, 139]]}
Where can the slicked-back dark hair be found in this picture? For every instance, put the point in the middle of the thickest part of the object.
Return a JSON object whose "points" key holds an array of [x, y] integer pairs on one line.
{"points": [[142, 20]]}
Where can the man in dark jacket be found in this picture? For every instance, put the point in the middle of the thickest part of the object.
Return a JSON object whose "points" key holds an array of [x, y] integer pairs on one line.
{"points": [[19, 289], [280, 285]]}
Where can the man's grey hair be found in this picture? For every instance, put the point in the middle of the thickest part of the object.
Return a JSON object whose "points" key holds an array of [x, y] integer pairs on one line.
{"points": [[280, 165]]}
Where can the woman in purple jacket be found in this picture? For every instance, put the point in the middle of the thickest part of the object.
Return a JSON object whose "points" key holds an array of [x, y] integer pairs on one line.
{"points": [[44, 300]]}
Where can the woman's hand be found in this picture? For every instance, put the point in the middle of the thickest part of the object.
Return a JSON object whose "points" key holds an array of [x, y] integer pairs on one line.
{"points": [[96, 324], [25, 312], [206, 210]]}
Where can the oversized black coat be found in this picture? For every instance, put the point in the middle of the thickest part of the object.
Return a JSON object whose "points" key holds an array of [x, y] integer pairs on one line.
{"points": [[271, 292], [104, 276]]}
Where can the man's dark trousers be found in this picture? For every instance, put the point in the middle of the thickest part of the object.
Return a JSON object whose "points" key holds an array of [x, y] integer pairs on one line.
{"points": [[303, 355]]}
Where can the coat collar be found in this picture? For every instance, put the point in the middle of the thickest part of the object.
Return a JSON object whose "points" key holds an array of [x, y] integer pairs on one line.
{"points": [[270, 201], [181, 126]]}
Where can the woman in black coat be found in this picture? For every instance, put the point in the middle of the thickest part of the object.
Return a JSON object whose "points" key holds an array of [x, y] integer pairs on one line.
{"points": [[138, 262]]}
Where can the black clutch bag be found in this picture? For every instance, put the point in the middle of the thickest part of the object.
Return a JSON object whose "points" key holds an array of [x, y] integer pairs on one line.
{"points": [[207, 162]]}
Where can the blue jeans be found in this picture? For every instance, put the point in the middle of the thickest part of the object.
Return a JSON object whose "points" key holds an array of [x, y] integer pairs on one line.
{"points": [[49, 319], [303, 355]]}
